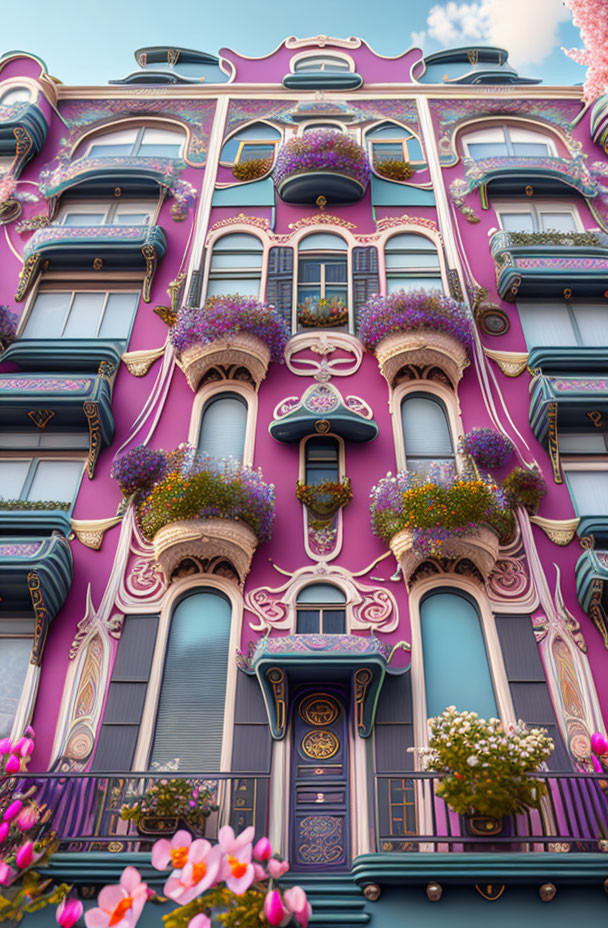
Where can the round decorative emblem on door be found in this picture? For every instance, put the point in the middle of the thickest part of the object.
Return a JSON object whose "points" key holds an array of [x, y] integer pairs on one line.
{"points": [[319, 709], [320, 744]]}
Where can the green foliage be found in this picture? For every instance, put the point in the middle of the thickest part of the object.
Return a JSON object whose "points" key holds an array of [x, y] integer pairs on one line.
{"points": [[178, 799], [525, 487], [324, 499], [394, 169], [229, 910]]}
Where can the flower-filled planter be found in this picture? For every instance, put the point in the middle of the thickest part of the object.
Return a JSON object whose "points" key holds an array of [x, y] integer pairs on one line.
{"points": [[421, 328], [201, 507], [442, 514], [394, 169], [487, 447], [8, 327], [252, 170], [321, 163], [323, 500], [525, 488], [486, 768], [229, 332], [322, 313], [169, 804]]}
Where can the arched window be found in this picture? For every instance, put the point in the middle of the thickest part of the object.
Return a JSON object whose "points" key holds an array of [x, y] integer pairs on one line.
{"points": [[390, 142], [321, 610], [322, 268], [327, 63], [426, 432], [254, 142], [223, 426], [412, 263], [456, 668], [138, 141], [236, 266], [322, 126], [15, 95], [507, 141], [321, 460], [190, 717]]}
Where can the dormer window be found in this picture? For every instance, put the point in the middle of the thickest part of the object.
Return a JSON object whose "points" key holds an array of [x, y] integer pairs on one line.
{"points": [[316, 63], [142, 141], [508, 141], [15, 95]]}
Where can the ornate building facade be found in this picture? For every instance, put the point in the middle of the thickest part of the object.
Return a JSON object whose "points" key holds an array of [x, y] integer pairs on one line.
{"points": [[289, 669]]}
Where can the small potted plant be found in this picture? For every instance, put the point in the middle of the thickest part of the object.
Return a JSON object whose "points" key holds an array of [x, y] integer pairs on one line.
{"points": [[322, 313], [485, 768], [252, 170], [525, 487], [394, 169], [487, 447], [323, 500], [170, 804]]}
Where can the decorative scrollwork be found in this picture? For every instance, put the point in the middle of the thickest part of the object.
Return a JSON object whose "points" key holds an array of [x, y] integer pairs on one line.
{"points": [[319, 709], [320, 744], [27, 275], [41, 617], [151, 259], [91, 411]]}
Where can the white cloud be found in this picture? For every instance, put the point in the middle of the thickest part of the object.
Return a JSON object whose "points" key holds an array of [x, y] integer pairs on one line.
{"points": [[528, 29], [417, 39]]}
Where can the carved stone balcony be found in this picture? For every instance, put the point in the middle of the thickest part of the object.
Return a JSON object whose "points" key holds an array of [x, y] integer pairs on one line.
{"points": [[206, 541], [545, 264], [239, 352], [288, 659], [480, 547], [60, 404], [94, 248], [423, 349], [35, 577]]}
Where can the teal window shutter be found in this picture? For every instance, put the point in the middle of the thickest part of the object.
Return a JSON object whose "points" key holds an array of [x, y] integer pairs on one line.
{"points": [[456, 669], [190, 718], [223, 426]]}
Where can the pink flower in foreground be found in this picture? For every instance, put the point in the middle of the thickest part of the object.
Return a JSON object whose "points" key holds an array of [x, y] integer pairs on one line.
{"points": [[199, 921], [27, 818], [68, 912], [277, 868], [262, 849], [297, 903], [199, 872], [13, 764], [13, 810], [273, 908], [172, 853], [6, 746], [120, 905], [237, 870], [24, 855], [7, 874], [4, 830]]}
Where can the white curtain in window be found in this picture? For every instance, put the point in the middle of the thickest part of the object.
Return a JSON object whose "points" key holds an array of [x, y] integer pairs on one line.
{"points": [[14, 660], [222, 432], [589, 491], [546, 324], [55, 480]]}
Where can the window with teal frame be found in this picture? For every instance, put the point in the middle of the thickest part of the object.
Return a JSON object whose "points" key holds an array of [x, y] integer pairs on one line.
{"points": [[456, 668], [190, 717]]}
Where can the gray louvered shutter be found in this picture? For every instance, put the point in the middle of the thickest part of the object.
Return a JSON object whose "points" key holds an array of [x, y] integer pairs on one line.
{"points": [[127, 694], [190, 717], [279, 290], [196, 283], [529, 690], [365, 278]]}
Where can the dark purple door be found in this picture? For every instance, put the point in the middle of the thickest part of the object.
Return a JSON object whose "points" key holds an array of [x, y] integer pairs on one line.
{"points": [[319, 817]]}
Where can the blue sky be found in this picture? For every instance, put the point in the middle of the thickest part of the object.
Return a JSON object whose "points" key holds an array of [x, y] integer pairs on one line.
{"points": [[86, 43]]}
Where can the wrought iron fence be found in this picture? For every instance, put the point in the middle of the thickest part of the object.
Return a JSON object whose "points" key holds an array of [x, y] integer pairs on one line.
{"points": [[573, 816]]}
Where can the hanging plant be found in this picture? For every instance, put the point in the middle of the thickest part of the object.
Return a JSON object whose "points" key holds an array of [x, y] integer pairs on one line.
{"points": [[487, 447], [323, 500], [322, 313], [251, 170], [413, 310], [394, 169], [8, 327], [525, 487], [139, 469], [322, 150], [180, 800]]}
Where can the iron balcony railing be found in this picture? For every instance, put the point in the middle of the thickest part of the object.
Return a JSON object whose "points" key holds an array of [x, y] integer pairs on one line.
{"points": [[573, 816], [86, 806]]}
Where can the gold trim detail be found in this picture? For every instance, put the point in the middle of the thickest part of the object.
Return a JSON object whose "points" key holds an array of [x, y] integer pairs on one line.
{"points": [[322, 219], [151, 259], [41, 417], [91, 411], [276, 678], [318, 709], [552, 441], [139, 363], [90, 532], [320, 744], [27, 274], [490, 891], [511, 363], [41, 617], [559, 531]]}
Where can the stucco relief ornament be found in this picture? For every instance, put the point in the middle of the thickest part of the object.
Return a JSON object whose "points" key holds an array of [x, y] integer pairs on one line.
{"points": [[90, 619], [142, 581], [347, 349]]}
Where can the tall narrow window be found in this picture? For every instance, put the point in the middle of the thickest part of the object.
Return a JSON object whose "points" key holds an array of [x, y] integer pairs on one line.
{"points": [[16, 637], [412, 263], [426, 432], [322, 268], [190, 718], [322, 460], [321, 609], [456, 669], [236, 266], [223, 426]]}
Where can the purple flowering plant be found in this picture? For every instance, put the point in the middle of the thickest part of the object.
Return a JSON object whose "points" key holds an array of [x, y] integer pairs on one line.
{"points": [[223, 317], [414, 310], [198, 486], [525, 487], [322, 150], [139, 469], [437, 505], [487, 447], [8, 326]]}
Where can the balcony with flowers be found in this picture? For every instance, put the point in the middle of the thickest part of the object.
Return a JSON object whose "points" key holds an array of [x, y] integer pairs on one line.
{"points": [[194, 507], [418, 329], [551, 263], [321, 166], [441, 515], [235, 334], [107, 247]]}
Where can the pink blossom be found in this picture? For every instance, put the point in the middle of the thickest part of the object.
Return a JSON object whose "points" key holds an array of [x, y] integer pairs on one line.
{"points": [[24, 855], [297, 903], [6, 746], [277, 868], [27, 818], [27, 747], [4, 830], [7, 874], [199, 921], [273, 908], [262, 849], [119, 905], [68, 912], [591, 18], [237, 869], [13, 810], [173, 852], [199, 871], [13, 764]]}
